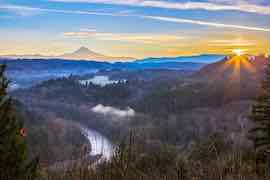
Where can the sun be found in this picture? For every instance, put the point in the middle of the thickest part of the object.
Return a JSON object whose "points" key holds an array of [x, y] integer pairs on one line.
{"points": [[239, 52]]}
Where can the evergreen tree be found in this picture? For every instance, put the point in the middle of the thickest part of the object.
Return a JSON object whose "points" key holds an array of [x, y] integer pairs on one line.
{"points": [[14, 164], [260, 133]]}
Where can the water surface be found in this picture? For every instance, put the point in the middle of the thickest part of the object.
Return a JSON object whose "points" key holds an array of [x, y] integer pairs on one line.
{"points": [[99, 143]]}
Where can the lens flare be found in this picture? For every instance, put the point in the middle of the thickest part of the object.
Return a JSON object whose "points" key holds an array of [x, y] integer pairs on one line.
{"points": [[239, 52]]}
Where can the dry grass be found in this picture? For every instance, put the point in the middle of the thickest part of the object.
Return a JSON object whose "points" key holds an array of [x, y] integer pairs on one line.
{"points": [[132, 162]]}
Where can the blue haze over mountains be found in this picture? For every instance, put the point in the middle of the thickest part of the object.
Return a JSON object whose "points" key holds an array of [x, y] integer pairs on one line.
{"points": [[28, 72]]}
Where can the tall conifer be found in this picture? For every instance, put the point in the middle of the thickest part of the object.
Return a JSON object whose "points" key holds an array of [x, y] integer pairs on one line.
{"points": [[260, 133], [14, 164]]}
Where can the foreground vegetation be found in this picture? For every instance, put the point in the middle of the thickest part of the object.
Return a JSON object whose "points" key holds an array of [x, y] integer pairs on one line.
{"points": [[209, 160]]}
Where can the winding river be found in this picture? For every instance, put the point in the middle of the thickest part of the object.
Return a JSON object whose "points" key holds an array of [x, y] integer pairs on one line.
{"points": [[100, 145]]}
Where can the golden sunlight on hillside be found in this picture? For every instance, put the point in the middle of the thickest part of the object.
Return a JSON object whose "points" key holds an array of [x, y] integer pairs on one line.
{"points": [[241, 61], [236, 64]]}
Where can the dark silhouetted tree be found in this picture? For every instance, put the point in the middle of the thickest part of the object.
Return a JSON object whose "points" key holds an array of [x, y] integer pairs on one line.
{"points": [[260, 133], [13, 154]]}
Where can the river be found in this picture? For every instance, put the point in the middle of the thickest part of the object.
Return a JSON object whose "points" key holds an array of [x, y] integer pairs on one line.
{"points": [[99, 143]]}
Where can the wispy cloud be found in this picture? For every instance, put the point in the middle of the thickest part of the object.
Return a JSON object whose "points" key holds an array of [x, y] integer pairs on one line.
{"points": [[126, 37], [232, 43], [27, 10], [242, 6], [206, 23], [20, 10], [160, 18]]}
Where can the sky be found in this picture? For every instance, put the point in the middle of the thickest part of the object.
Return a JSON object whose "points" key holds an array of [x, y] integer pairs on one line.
{"points": [[134, 28]]}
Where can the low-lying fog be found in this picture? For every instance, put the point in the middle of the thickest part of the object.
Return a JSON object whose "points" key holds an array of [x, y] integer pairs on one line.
{"points": [[109, 110], [101, 80], [23, 79]]}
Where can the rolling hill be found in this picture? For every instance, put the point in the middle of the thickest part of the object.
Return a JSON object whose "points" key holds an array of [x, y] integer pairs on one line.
{"points": [[236, 76], [235, 68]]}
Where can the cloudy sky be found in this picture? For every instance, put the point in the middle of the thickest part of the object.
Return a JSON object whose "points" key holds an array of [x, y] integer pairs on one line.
{"points": [[136, 28]]}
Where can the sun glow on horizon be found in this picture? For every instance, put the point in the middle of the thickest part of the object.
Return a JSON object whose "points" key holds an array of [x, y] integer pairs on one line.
{"points": [[239, 52]]}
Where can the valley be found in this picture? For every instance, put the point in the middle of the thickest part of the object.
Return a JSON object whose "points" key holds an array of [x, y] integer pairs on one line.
{"points": [[162, 102]]}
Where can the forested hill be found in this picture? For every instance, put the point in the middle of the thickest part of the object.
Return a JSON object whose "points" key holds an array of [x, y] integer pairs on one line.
{"points": [[243, 67], [51, 139]]}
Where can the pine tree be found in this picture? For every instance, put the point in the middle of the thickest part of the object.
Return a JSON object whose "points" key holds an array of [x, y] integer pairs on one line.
{"points": [[260, 116], [14, 164]]}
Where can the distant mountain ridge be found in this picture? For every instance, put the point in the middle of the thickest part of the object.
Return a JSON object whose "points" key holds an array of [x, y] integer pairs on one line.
{"points": [[82, 53], [26, 72], [205, 58], [86, 54]]}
